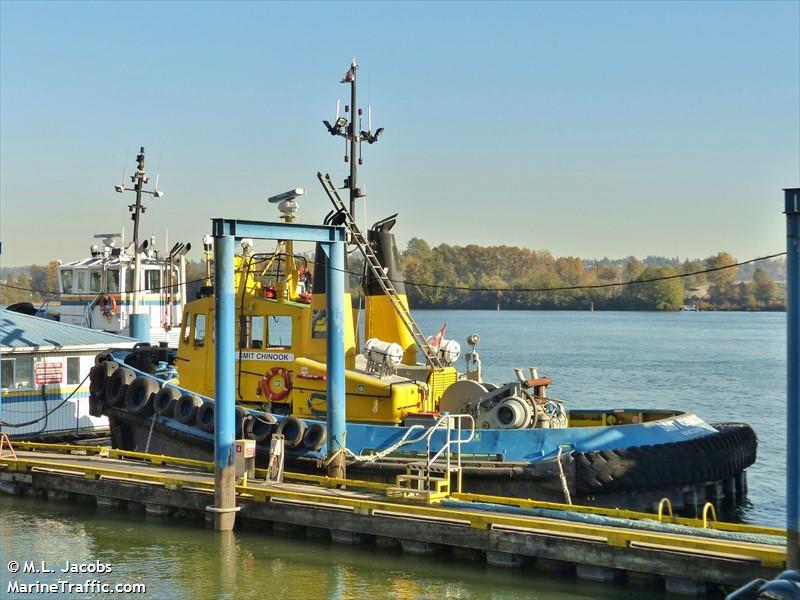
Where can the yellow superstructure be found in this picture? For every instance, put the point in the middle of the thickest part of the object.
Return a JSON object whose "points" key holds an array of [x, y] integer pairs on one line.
{"points": [[280, 356]]}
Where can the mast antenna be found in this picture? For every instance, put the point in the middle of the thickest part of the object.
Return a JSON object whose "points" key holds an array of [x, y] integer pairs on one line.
{"points": [[350, 130]]}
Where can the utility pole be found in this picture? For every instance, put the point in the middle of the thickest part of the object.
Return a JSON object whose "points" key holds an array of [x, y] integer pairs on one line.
{"points": [[139, 324]]}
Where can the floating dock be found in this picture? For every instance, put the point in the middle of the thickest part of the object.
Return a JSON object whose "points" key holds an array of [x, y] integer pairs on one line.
{"points": [[502, 531]]}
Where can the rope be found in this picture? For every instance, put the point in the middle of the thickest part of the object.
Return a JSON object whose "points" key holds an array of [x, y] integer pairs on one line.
{"points": [[563, 478], [149, 435]]}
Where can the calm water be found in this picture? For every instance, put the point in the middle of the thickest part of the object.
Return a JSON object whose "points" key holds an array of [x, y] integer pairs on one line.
{"points": [[722, 366]]}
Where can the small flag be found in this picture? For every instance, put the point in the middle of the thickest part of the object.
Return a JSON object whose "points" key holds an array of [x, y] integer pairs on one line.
{"points": [[350, 75], [436, 341]]}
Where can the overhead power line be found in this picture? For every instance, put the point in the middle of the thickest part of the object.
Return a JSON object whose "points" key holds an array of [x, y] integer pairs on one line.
{"points": [[564, 288]]}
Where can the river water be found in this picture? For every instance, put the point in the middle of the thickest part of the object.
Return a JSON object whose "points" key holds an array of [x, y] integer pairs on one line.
{"points": [[723, 366]]}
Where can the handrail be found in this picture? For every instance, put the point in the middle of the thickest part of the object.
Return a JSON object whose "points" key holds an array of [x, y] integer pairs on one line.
{"points": [[458, 441]]}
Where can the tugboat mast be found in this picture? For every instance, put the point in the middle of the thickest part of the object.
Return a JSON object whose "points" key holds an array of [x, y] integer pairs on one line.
{"points": [[352, 132]]}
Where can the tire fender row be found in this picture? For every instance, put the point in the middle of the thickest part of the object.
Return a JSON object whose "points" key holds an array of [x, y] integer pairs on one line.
{"points": [[117, 386]]}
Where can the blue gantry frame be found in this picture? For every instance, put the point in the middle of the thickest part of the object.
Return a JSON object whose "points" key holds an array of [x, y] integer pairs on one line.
{"points": [[225, 233]]}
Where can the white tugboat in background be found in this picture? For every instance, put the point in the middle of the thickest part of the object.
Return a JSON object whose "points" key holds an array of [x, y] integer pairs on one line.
{"points": [[118, 282]]}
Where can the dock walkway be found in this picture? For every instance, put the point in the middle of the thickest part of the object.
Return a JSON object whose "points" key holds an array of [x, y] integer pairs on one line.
{"points": [[362, 513]]}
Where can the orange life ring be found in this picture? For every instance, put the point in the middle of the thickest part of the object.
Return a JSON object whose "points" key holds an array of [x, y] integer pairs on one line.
{"points": [[108, 306], [275, 384]]}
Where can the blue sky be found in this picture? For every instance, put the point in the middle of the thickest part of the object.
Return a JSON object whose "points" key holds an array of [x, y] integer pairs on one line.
{"points": [[588, 129]]}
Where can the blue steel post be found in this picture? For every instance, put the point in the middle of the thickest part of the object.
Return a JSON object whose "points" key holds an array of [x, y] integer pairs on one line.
{"points": [[140, 326], [335, 358], [792, 198], [224, 470]]}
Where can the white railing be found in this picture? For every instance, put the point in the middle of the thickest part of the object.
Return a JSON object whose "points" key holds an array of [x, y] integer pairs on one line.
{"points": [[451, 423]]}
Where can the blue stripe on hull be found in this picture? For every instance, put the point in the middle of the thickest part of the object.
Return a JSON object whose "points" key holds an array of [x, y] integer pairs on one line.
{"points": [[513, 445]]}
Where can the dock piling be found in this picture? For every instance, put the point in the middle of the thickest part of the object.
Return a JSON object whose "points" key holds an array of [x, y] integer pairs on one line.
{"points": [[335, 358], [224, 430]]}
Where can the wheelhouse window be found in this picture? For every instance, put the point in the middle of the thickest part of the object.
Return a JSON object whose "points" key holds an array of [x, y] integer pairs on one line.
{"points": [[80, 278], [129, 280], [66, 280], [113, 280], [199, 330], [186, 326], [152, 280], [279, 332], [95, 281], [250, 331]]}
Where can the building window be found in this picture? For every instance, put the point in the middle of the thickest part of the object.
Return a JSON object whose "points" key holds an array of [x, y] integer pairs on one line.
{"points": [[66, 281], [7, 373], [73, 370], [17, 373]]}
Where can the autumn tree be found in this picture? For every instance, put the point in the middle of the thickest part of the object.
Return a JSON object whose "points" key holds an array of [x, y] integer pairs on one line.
{"points": [[764, 289]]}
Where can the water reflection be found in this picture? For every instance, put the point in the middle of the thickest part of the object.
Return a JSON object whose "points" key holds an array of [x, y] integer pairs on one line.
{"points": [[180, 559]]}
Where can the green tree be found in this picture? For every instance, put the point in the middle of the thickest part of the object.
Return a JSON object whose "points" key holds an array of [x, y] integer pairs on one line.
{"points": [[722, 292], [745, 297], [666, 294], [764, 289]]}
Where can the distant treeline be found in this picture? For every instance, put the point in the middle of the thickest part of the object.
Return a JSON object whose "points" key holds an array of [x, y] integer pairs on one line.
{"points": [[444, 268], [435, 274]]}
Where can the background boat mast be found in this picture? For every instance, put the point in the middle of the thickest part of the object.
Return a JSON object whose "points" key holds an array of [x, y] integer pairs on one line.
{"points": [[139, 178]]}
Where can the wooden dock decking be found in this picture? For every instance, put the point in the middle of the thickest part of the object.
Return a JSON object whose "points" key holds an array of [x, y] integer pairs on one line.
{"points": [[363, 513]]}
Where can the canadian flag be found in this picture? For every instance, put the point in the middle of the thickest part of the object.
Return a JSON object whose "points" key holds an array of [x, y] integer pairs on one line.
{"points": [[436, 340]]}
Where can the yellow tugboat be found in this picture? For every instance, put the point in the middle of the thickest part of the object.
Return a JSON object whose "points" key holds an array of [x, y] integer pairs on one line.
{"points": [[524, 442]]}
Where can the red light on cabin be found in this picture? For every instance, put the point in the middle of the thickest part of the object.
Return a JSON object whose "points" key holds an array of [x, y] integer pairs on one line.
{"points": [[346, 108], [361, 162]]}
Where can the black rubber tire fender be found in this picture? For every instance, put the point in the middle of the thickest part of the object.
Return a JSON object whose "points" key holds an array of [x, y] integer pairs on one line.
{"points": [[165, 401], [260, 427], [315, 436], [96, 406], [186, 408], [293, 430], [102, 357], [713, 457], [140, 394], [204, 418], [241, 417], [99, 376], [117, 385]]}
